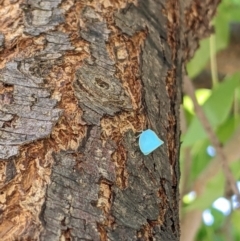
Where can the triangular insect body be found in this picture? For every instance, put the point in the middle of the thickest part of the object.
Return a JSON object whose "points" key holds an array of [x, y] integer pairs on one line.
{"points": [[149, 141]]}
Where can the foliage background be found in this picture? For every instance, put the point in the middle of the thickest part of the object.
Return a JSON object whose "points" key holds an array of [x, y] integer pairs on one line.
{"points": [[220, 102]]}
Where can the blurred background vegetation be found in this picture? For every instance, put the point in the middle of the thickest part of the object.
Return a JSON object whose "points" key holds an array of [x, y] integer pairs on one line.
{"points": [[209, 211]]}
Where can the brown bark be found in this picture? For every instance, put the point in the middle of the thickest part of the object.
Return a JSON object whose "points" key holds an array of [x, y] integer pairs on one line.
{"points": [[79, 81]]}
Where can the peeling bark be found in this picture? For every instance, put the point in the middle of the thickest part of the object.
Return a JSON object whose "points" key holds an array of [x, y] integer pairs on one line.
{"points": [[79, 80]]}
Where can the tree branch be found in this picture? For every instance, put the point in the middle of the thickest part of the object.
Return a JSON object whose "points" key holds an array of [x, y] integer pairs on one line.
{"points": [[232, 153], [189, 90], [194, 217], [190, 225]]}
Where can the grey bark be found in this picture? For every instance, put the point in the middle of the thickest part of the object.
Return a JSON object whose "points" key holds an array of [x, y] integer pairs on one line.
{"points": [[146, 208]]}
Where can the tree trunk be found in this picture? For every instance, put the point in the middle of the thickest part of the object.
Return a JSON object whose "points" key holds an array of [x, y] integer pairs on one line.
{"points": [[80, 80]]}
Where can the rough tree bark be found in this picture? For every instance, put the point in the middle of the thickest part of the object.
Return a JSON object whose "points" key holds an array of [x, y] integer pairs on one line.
{"points": [[79, 81]]}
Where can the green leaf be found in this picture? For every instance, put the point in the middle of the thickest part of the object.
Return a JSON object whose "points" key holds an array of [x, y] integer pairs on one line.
{"points": [[213, 189], [221, 32], [237, 92], [226, 130], [216, 108], [235, 223], [201, 57], [201, 94], [229, 10], [219, 218], [200, 159], [219, 104]]}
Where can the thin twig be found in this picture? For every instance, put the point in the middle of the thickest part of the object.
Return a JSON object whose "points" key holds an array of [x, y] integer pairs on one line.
{"points": [[232, 152], [191, 220], [190, 91]]}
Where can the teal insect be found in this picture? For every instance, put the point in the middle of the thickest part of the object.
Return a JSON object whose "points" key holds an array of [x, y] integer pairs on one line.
{"points": [[149, 141]]}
